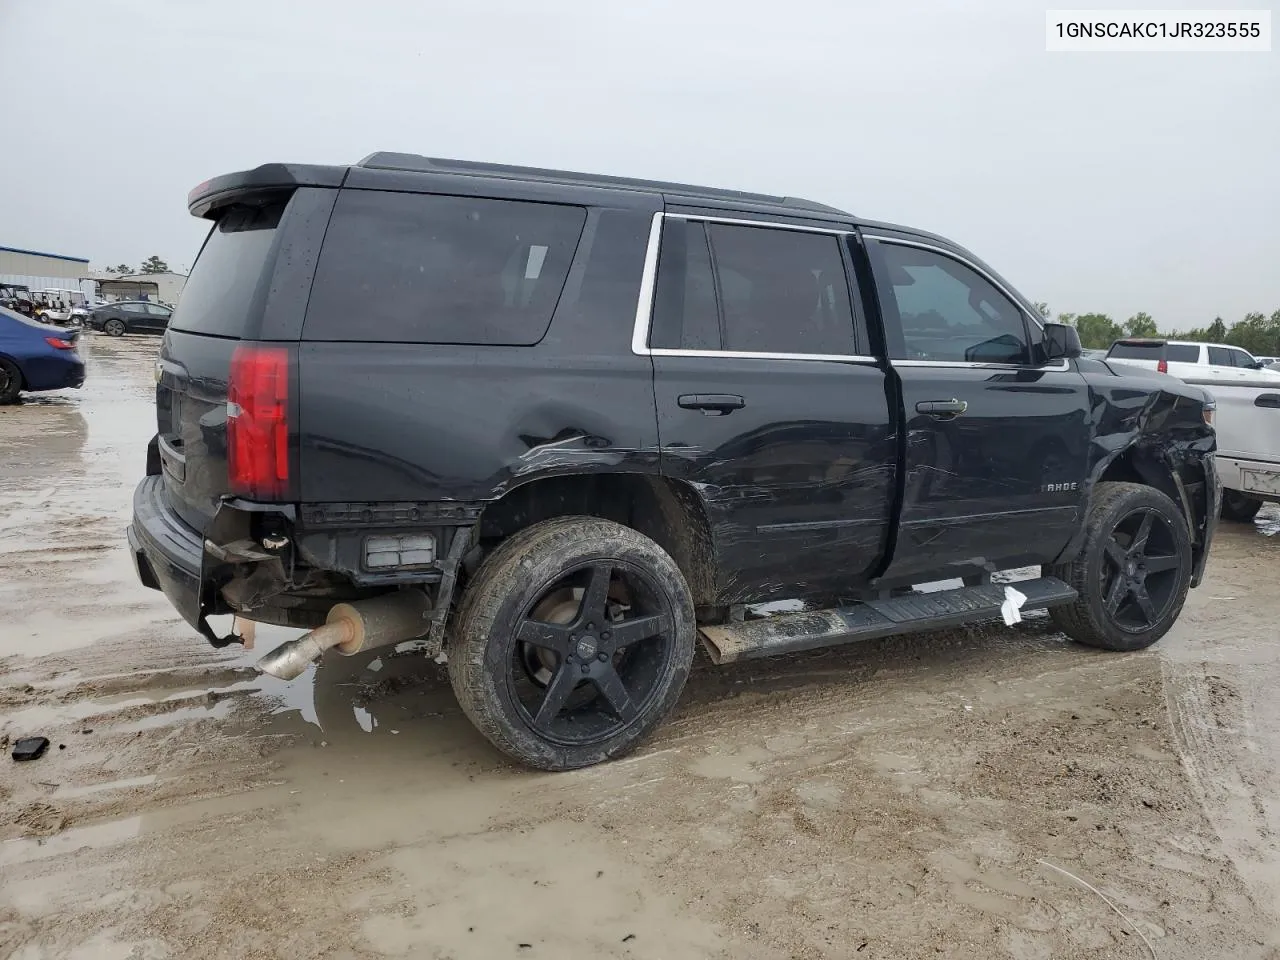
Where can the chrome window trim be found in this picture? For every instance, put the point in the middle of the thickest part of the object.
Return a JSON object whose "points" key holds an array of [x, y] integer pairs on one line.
{"points": [[648, 280], [1061, 364], [751, 355], [767, 224], [648, 284], [967, 262]]}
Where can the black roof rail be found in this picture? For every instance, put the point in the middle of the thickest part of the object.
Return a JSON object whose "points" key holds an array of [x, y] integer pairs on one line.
{"points": [[412, 162]]}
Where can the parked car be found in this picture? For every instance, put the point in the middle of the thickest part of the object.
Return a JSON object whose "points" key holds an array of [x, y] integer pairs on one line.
{"points": [[35, 357], [588, 421], [1185, 358], [130, 316], [1247, 422]]}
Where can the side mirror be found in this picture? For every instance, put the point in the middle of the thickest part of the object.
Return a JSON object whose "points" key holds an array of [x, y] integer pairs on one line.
{"points": [[1060, 342]]}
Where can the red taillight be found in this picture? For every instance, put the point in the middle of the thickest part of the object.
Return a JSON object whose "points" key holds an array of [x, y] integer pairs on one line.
{"points": [[59, 344], [1163, 365], [258, 422]]}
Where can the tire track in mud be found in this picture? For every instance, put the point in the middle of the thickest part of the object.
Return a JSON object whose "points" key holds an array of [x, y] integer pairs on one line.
{"points": [[1210, 709]]}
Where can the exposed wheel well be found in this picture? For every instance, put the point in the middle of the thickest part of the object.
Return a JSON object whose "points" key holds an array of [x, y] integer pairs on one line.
{"points": [[666, 511], [1185, 487]]}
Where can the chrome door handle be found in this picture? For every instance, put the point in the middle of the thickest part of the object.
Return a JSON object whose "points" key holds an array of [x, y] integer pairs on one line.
{"points": [[942, 409]]}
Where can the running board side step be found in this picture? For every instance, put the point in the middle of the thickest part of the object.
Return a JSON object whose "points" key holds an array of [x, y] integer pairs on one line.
{"points": [[791, 632]]}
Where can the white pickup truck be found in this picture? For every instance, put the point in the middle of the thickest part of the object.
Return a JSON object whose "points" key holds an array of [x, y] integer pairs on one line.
{"points": [[1247, 418], [1248, 459]]}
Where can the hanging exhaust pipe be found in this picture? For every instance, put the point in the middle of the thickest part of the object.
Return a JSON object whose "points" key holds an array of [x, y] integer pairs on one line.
{"points": [[350, 628]]}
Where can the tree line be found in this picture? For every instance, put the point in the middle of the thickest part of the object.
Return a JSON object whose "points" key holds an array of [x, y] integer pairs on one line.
{"points": [[1256, 332], [153, 264]]}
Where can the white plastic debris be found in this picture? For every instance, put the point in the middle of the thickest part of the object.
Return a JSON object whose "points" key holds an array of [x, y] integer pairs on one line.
{"points": [[442, 657], [1011, 609]]}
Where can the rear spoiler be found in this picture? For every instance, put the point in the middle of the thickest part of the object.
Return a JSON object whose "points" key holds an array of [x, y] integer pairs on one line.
{"points": [[248, 186]]}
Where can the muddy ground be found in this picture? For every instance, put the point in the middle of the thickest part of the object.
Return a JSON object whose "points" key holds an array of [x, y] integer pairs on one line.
{"points": [[915, 797]]}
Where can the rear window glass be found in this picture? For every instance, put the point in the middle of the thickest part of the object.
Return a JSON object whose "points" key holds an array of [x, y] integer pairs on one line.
{"points": [[1182, 353], [218, 296], [425, 268], [1136, 351]]}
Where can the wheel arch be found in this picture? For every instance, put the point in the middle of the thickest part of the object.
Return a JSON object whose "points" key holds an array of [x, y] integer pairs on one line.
{"points": [[1186, 479], [22, 374], [669, 512]]}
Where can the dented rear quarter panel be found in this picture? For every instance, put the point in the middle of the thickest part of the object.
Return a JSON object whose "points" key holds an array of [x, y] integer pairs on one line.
{"points": [[428, 422]]}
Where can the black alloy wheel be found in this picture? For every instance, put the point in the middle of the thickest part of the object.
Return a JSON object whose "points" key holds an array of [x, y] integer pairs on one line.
{"points": [[1141, 570], [572, 642], [582, 681], [1133, 570]]}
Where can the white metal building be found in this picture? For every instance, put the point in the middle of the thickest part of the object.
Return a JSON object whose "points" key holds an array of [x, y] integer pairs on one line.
{"points": [[170, 283], [41, 271]]}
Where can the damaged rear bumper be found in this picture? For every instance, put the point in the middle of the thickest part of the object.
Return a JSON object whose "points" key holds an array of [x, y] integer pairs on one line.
{"points": [[167, 554]]}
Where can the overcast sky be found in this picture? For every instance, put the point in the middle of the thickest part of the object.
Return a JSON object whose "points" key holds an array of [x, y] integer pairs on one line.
{"points": [[1110, 182]]}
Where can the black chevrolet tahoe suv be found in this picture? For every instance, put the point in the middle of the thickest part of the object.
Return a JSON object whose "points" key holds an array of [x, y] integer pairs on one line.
{"points": [[563, 427]]}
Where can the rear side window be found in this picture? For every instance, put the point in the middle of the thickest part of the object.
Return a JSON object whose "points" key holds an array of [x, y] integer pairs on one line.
{"points": [[1182, 353], [425, 268], [219, 294], [781, 291], [1220, 356], [1136, 351]]}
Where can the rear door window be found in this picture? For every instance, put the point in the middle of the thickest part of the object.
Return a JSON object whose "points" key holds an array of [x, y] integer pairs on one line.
{"points": [[1220, 357], [1136, 351], [1182, 353], [426, 268], [219, 296], [781, 291]]}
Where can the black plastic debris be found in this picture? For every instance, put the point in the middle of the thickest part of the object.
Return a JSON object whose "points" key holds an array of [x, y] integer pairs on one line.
{"points": [[30, 748]]}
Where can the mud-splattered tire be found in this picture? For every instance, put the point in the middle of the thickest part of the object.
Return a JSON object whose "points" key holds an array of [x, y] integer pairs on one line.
{"points": [[573, 642], [1133, 572], [10, 381], [1239, 507]]}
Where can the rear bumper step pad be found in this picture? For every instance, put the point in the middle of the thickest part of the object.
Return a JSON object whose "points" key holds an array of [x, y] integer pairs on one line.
{"points": [[792, 632]]}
